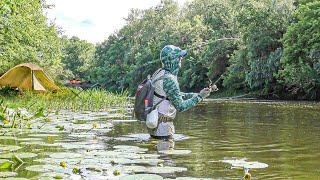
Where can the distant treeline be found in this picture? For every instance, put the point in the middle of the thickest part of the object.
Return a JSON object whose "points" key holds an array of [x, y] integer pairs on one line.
{"points": [[270, 48], [26, 35]]}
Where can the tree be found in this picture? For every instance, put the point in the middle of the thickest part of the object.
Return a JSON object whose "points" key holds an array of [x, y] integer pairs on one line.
{"points": [[77, 57], [256, 63], [217, 18], [26, 36], [128, 56], [301, 59]]}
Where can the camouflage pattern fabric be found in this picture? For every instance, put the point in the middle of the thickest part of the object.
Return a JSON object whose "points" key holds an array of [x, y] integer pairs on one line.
{"points": [[170, 60], [188, 95], [178, 100]]}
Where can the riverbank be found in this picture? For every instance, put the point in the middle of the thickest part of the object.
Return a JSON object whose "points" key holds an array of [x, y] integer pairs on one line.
{"points": [[68, 99]]}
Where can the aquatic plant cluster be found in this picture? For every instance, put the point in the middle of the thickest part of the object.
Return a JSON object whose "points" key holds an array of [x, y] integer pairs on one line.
{"points": [[74, 145], [68, 98]]}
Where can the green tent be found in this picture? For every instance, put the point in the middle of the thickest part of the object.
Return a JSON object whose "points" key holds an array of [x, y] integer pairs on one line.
{"points": [[28, 76]]}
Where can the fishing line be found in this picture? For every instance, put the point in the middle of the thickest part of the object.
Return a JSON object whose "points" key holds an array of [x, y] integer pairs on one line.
{"points": [[198, 46]]}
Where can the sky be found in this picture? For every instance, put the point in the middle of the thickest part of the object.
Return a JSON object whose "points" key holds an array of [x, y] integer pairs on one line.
{"points": [[94, 20]]}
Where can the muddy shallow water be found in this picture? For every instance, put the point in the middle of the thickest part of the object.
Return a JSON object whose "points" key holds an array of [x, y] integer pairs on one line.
{"points": [[215, 140]]}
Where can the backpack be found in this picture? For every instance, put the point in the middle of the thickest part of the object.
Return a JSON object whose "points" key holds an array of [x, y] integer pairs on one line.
{"points": [[144, 95]]}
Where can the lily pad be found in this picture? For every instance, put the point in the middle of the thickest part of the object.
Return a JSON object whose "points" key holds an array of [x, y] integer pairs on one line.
{"points": [[123, 161], [115, 115], [255, 165], [175, 152], [124, 120], [57, 161], [29, 139], [244, 164], [83, 135], [20, 155], [138, 137], [111, 154], [119, 154], [103, 153], [192, 178], [152, 162], [82, 145], [145, 156], [94, 168], [94, 172], [142, 177], [65, 155], [125, 148], [44, 168], [43, 135], [102, 130], [9, 148], [102, 163], [125, 139], [40, 143], [82, 126], [165, 170], [133, 169], [53, 175], [7, 174], [7, 137]]}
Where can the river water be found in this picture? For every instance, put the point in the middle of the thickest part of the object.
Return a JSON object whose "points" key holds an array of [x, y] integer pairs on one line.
{"points": [[285, 136]]}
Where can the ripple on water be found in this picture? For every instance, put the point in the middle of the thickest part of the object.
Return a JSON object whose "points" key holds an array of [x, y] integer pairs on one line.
{"points": [[146, 137]]}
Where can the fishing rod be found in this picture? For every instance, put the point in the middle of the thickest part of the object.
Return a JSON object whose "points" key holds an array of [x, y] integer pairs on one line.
{"points": [[210, 82], [207, 42], [200, 45]]}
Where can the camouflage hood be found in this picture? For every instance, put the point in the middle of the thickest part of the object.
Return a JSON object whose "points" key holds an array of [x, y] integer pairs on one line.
{"points": [[169, 57]]}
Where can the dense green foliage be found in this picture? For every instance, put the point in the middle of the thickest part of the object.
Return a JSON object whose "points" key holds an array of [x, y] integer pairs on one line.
{"points": [[301, 59], [252, 44], [77, 58], [268, 47], [25, 36], [255, 63]]}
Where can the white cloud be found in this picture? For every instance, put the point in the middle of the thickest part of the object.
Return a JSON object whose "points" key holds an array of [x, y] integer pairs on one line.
{"points": [[94, 20]]}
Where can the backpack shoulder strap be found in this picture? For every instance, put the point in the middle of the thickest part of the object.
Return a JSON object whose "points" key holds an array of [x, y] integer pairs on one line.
{"points": [[156, 94], [155, 74]]}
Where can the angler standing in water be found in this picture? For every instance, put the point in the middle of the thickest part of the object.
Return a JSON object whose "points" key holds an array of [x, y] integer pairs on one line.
{"points": [[167, 95]]}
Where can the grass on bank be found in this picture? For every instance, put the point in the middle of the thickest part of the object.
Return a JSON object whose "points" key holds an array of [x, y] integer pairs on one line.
{"points": [[67, 98]]}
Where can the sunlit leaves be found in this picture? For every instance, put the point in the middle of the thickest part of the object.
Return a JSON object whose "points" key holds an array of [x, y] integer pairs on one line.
{"points": [[77, 57], [25, 36], [301, 57]]}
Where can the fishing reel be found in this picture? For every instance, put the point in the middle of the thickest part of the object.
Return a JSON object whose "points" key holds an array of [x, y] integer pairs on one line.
{"points": [[212, 86]]}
